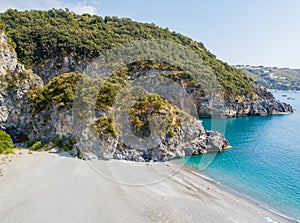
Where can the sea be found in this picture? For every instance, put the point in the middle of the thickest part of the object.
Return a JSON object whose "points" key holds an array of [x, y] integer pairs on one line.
{"points": [[263, 162]]}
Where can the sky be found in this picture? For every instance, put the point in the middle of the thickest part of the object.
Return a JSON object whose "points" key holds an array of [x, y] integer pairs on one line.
{"points": [[254, 32]]}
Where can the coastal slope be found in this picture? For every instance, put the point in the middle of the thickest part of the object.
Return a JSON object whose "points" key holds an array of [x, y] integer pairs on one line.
{"points": [[145, 109]]}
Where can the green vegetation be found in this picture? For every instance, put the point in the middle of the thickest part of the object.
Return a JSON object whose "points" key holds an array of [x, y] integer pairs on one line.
{"points": [[60, 90], [234, 82], [11, 43], [60, 143], [36, 146], [43, 35], [152, 108], [28, 144], [108, 92], [105, 127], [2, 26], [145, 65], [6, 143]]}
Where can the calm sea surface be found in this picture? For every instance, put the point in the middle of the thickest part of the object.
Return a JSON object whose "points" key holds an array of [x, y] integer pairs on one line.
{"points": [[264, 161]]}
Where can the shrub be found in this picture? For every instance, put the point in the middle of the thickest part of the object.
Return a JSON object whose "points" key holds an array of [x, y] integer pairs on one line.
{"points": [[37, 146], [60, 90], [105, 127], [149, 107], [6, 143], [28, 144]]}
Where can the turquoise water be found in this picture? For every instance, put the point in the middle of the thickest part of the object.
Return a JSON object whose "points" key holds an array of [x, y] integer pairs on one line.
{"points": [[264, 161]]}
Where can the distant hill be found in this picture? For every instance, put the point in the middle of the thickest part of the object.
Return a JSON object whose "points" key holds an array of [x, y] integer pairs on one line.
{"points": [[273, 77]]}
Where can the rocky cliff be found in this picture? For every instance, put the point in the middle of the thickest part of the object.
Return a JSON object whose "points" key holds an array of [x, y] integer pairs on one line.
{"points": [[15, 107], [190, 139], [36, 104], [260, 102], [264, 104], [8, 58], [52, 123]]}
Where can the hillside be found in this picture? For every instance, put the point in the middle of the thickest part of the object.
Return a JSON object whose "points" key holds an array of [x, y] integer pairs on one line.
{"points": [[46, 37], [273, 77], [154, 85]]}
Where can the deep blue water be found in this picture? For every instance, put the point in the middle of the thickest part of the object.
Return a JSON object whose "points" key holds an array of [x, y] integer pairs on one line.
{"points": [[264, 161]]}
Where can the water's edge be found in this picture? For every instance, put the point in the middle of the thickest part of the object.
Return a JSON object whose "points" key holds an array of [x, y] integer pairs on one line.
{"points": [[192, 169], [262, 166]]}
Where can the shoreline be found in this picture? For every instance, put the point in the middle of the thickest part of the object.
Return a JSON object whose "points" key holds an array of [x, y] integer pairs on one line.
{"points": [[40, 182], [241, 195]]}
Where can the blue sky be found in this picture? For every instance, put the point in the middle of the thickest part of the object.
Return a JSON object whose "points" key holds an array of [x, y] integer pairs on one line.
{"points": [[257, 32]]}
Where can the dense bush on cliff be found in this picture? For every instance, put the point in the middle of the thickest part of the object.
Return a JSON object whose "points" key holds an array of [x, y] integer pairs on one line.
{"points": [[147, 107], [60, 90]]}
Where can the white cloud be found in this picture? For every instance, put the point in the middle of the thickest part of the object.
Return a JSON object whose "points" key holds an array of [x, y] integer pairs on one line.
{"points": [[28, 5], [81, 8], [78, 7]]}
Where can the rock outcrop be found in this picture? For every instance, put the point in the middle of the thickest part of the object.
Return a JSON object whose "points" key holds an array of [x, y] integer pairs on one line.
{"points": [[191, 139], [262, 104], [54, 67], [8, 58], [15, 81], [265, 104], [52, 124]]}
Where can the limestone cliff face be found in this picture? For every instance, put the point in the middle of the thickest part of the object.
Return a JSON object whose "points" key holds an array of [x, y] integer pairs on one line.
{"points": [[265, 104], [52, 124], [262, 104], [8, 58], [54, 67], [190, 139], [15, 81]]}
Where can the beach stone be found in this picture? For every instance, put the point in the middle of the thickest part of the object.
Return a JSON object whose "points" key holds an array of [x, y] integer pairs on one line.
{"points": [[54, 150]]}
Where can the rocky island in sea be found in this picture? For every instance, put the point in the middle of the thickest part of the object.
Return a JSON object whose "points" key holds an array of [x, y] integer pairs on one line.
{"points": [[45, 55]]}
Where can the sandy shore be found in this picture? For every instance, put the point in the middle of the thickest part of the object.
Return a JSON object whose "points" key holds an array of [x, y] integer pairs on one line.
{"points": [[42, 187]]}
